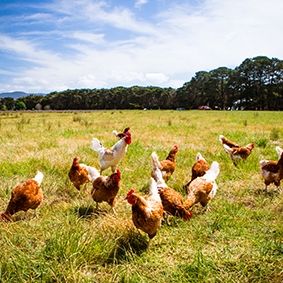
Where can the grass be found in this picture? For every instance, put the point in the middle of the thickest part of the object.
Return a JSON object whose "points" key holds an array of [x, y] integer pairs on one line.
{"points": [[239, 241]]}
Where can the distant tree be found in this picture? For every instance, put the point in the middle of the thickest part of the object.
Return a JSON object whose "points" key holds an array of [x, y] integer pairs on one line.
{"points": [[192, 94], [216, 88], [9, 102], [20, 106]]}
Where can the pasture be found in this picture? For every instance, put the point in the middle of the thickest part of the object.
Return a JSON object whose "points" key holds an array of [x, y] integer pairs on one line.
{"points": [[240, 240]]}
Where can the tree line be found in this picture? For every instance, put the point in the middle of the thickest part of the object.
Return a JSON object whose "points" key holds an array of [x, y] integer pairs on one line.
{"points": [[257, 84]]}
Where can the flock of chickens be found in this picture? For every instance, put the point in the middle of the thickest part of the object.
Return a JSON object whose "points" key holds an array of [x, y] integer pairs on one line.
{"points": [[162, 201]]}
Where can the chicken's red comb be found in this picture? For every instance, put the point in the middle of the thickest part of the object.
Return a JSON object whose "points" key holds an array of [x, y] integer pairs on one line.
{"points": [[253, 145], [3, 216], [191, 215], [176, 147], [130, 193], [128, 134], [119, 173]]}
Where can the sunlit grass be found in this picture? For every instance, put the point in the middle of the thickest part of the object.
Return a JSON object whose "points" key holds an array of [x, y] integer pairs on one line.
{"points": [[239, 241]]}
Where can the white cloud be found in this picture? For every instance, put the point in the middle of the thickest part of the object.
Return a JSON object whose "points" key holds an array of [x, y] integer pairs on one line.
{"points": [[93, 38], [156, 78], [165, 51], [139, 3]]}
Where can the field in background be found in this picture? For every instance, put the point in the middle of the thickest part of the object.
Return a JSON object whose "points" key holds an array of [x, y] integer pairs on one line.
{"points": [[239, 241]]}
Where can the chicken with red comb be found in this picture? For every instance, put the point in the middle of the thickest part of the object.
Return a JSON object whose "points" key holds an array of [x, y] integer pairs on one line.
{"points": [[235, 151], [106, 188], [146, 213], [167, 166], [111, 156]]}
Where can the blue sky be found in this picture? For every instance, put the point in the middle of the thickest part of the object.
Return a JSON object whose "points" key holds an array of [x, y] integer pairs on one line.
{"points": [[56, 45]]}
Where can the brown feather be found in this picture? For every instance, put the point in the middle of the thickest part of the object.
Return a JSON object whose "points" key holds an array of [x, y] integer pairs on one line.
{"points": [[199, 191], [272, 172], [24, 197], [198, 170], [148, 223], [168, 165], [105, 189], [172, 202], [78, 176]]}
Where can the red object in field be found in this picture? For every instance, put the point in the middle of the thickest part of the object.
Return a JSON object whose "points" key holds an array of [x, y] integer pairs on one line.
{"points": [[204, 108]]}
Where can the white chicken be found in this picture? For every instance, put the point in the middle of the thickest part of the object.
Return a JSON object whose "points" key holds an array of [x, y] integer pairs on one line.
{"points": [[111, 156]]}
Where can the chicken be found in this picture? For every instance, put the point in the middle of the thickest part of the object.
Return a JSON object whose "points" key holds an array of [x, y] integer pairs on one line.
{"points": [[272, 171], [25, 196], [111, 156], [147, 213], [171, 200], [236, 151], [168, 165], [81, 174], [105, 188], [203, 189], [121, 135], [198, 169]]}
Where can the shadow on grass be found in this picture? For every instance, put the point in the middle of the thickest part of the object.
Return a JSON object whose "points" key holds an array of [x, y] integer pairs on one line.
{"points": [[129, 244], [20, 216], [89, 212], [271, 192]]}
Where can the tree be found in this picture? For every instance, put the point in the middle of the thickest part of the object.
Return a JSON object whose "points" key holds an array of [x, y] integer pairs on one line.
{"points": [[20, 106], [9, 102]]}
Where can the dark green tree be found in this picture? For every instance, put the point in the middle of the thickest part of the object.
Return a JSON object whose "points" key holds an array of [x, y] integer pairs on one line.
{"points": [[20, 105]]}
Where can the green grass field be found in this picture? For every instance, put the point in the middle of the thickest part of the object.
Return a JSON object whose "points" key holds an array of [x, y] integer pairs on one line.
{"points": [[240, 240]]}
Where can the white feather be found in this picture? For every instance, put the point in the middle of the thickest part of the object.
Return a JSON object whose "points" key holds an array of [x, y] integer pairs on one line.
{"points": [[279, 151], [109, 157], [38, 177], [155, 162], [199, 157], [96, 145], [227, 148], [212, 173], [92, 172], [153, 191]]}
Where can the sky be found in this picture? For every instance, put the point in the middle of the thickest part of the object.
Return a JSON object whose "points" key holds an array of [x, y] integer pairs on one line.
{"points": [[48, 46]]}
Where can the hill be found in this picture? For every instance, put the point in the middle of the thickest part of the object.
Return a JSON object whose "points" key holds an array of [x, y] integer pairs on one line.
{"points": [[14, 94], [17, 94]]}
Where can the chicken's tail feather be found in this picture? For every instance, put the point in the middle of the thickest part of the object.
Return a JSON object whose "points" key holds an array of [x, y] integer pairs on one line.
{"points": [[156, 170], [213, 172], [38, 177], [159, 179], [155, 162], [199, 157], [221, 138], [153, 190], [96, 144], [279, 150]]}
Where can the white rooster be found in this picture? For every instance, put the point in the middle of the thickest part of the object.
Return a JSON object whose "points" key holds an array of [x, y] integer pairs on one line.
{"points": [[111, 156]]}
